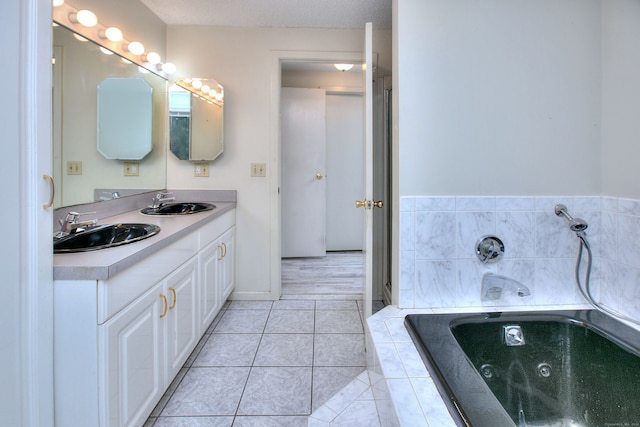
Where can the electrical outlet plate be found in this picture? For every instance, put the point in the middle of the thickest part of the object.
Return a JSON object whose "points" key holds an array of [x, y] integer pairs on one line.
{"points": [[259, 169], [131, 168], [201, 169], [74, 167]]}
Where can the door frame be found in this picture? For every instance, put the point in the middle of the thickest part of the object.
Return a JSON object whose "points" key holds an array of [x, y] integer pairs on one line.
{"points": [[277, 58]]}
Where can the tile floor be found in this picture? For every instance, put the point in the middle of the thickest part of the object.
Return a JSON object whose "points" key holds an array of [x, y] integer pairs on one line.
{"points": [[270, 363]]}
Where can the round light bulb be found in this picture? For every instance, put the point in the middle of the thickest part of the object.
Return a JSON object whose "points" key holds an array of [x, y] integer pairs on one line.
{"points": [[79, 37], [105, 51], [219, 96], [153, 58], [125, 60], [87, 18], [196, 83], [213, 93], [205, 88], [114, 34], [343, 67], [57, 3], [136, 48], [168, 68]]}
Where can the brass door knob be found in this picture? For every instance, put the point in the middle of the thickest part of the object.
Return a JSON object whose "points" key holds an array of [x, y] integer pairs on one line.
{"points": [[378, 204], [361, 203]]}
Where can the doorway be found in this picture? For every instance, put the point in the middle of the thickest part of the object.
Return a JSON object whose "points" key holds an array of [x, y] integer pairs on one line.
{"points": [[321, 177]]}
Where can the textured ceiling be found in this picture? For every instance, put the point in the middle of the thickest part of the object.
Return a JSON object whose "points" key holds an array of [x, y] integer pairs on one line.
{"points": [[274, 13]]}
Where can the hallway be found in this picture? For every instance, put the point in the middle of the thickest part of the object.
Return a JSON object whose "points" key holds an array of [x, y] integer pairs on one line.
{"points": [[338, 276]]}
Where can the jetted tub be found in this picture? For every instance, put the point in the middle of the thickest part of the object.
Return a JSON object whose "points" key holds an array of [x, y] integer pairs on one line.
{"points": [[556, 368]]}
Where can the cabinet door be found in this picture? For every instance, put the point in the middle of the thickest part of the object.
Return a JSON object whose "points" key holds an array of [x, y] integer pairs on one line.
{"points": [[133, 367], [226, 267], [182, 319], [210, 295]]}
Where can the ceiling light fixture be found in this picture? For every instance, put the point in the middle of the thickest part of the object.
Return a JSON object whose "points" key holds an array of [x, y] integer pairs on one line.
{"points": [[343, 67]]}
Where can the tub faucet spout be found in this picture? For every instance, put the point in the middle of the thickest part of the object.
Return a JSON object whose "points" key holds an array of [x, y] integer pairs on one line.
{"points": [[494, 284]]}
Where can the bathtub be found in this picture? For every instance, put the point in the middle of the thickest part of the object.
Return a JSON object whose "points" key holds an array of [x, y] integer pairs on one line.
{"points": [[556, 368]]}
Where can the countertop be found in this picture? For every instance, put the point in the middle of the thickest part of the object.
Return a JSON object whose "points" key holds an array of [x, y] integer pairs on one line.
{"points": [[105, 263]]}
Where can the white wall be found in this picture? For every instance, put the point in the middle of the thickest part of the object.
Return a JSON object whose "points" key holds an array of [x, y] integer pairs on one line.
{"points": [[498, 97], [536, 99], [241, 60], [620, 148]]}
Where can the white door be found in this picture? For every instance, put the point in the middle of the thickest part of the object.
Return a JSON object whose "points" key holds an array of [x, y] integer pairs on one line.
{"points": [[344, 171], [303, 186], [367, 202]]}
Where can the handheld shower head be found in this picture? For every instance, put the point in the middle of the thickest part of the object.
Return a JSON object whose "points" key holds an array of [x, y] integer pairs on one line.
{"points": [[575, 224], [578, 224]]}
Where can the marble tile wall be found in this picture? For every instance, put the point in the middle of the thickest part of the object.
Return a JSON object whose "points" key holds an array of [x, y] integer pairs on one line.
{"points": [[439, 268]]}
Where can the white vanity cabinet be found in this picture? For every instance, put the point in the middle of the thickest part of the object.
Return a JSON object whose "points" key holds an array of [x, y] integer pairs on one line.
{"points": [[217, 274], [118, 343], [145, 345]]}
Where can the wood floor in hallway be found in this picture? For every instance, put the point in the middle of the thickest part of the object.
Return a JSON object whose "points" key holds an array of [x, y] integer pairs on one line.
{"points": [[336, 276]]}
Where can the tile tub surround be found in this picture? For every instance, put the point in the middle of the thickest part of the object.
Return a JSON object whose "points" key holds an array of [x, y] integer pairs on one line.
{"points": [[439, 269], [267, 363]]}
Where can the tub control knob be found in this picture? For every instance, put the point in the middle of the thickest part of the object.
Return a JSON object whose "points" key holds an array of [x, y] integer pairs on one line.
{"points": [[489, 249]]}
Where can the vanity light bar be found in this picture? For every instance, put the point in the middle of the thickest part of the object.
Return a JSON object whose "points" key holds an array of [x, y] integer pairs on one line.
{"points": [[86, 24]]}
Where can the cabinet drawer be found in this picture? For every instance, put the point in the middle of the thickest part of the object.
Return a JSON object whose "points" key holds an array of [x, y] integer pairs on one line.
{"points": [[115, 293], [213, 230]]}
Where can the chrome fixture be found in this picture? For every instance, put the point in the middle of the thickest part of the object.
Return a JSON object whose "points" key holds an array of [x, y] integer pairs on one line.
{"points": [[544, 370], [160, 199], [109, 195], [494, 284], [579, 226], [487, 371], [71, 224], [489, 249], [575, 224], [513, 335]]}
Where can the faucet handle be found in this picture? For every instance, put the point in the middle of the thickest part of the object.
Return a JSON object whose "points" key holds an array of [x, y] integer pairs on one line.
{"points": [[75, 216]]}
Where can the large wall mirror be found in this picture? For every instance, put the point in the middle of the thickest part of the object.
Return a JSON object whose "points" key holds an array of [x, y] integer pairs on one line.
{"points": [[196, 119], [80, 163]]}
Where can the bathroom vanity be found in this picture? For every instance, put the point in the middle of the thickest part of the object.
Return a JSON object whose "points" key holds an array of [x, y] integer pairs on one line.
{"points": [[127, 318]]}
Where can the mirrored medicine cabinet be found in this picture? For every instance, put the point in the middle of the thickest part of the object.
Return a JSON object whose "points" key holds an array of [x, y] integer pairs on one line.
{"points": [[196, 120]]}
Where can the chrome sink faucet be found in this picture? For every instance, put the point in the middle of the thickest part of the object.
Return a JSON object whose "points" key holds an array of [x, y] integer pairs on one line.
{"points": [[160, 199], [71, 224]]}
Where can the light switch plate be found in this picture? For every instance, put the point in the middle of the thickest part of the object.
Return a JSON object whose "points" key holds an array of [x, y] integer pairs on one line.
{"points": [[201, 169], [259, 169], [131, 168], [74, 167]]}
